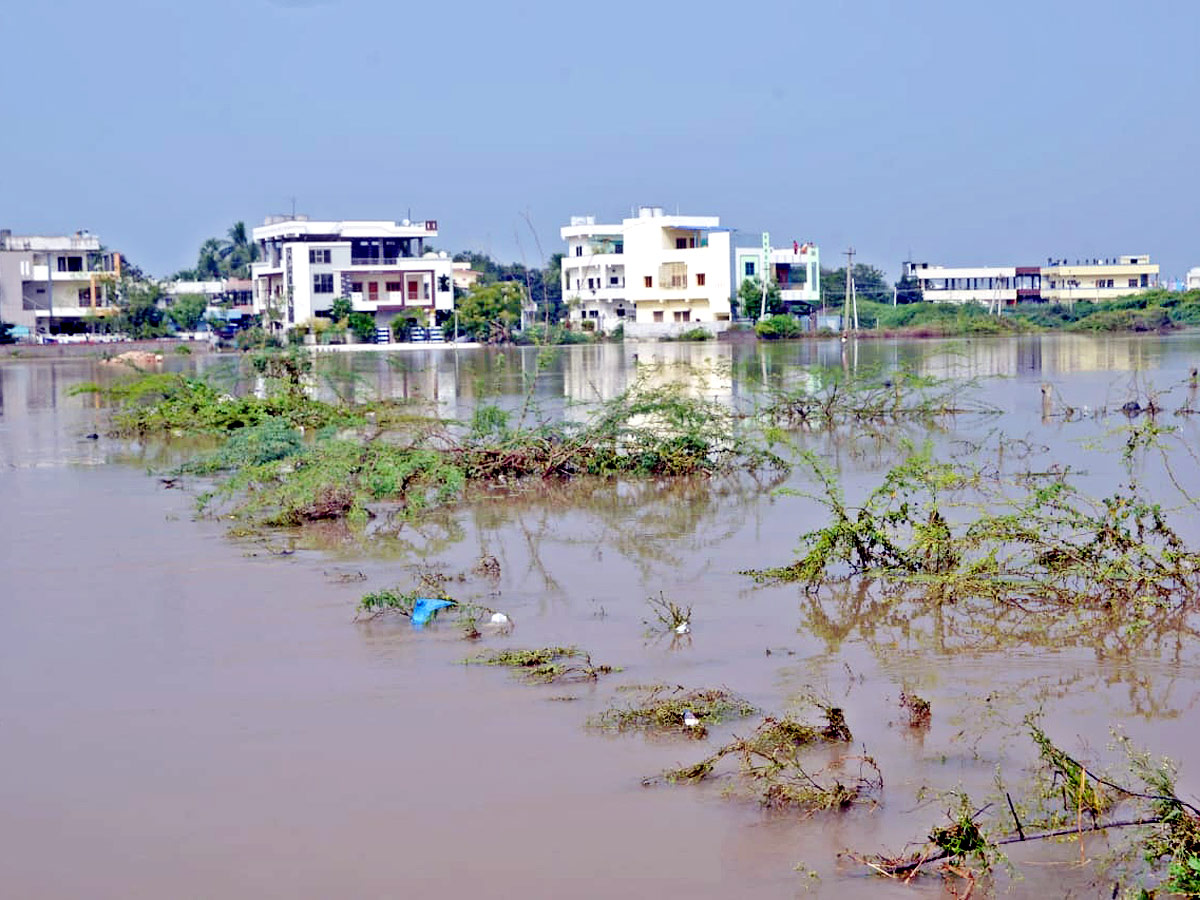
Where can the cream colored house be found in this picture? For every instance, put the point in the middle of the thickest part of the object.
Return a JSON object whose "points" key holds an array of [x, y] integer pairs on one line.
{"points": [[1097, 279], [657, 274]]}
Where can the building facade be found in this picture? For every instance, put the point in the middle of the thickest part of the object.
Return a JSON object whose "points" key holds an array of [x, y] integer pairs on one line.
{"points": [[1193, 279], [985, 285], [52, 284], [1057, 282], [382, 267], [656, 274], [796, 269], [1097, 279]]}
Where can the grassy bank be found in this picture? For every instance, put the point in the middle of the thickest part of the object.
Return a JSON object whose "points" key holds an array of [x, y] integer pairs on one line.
{"points": [[1153, 311]]}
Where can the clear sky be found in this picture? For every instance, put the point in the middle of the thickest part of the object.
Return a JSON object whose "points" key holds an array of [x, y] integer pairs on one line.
{"points": [[961, 132]]}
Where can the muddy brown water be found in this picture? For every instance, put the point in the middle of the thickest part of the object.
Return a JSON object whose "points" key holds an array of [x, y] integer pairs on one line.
{"points": [[184, 714]]}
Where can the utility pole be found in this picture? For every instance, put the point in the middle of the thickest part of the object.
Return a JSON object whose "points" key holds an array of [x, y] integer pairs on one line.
{"points": [[766, 272], [846, 304]]}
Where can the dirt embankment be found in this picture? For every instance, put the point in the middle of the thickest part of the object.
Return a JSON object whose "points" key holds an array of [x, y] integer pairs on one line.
{"points": [[56, 351]]}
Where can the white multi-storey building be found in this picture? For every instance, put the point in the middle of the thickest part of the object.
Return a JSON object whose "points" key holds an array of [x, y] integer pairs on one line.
{"points": [[383, 268], [986, 285], [1193, 279], [1058, 281], [655, 273], [52, 283]]}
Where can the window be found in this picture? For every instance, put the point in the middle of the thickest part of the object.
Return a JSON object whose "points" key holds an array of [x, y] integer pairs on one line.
{"points": [[614, 281], [319, 256], [372, 290], [621, 312], [699, 279], [1133, 282], [591, 284], [749, 268], [658, 315], [683, 315], [579, 250], [393, 287], [323, 283], [649, 281], [672, 276], [85, 296], [70, 264], [593, 313], [356, 287]]}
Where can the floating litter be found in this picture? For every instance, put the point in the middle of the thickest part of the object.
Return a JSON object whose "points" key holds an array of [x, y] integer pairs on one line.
{"points": [[425, 607], [690, 719], [682, 628], [499, 618]]}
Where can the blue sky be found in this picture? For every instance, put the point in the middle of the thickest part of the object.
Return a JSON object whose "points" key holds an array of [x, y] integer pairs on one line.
{"points": [[962, 132]]}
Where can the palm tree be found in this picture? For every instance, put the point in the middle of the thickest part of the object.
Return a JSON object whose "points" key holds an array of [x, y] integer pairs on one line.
{"points": [[208, 266], [238, 251]]}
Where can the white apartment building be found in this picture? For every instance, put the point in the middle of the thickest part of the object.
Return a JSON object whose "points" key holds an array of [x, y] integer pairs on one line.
{"points": [[1057, 282], [52, 283], [795, 268], [985, 285], [655, 273], [1193, 279], [382, 267]]}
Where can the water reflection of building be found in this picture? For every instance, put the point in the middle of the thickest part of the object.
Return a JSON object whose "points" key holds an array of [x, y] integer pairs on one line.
{"points": [[1048, 354], [41, 421]]}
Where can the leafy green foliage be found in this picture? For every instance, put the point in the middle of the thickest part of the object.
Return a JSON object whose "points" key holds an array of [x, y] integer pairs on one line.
{"points": [[749, 298], [490, 311], [778, 326], [187, 311]]}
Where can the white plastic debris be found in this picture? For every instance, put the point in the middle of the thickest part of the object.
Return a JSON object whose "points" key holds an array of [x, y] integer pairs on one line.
{"points": [[499, 618], [690, 719], [682, 628]]}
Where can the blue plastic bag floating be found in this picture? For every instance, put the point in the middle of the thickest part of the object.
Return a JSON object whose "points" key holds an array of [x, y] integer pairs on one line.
{"points": [[425, 607]]}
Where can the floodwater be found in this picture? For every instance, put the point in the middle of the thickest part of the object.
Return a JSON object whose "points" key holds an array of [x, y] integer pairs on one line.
{"points": [[183, 714]]}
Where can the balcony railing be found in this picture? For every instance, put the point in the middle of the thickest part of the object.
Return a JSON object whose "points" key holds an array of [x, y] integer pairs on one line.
{"points": [[378, 260]]}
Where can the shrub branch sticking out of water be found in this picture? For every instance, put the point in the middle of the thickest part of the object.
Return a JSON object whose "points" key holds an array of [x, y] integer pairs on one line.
{"points": [[164, 404], [771, 769], [828, 397], [1031, 540], [1167, 840], [635, 435], [668, 614], [662, 709], [544, 665]]}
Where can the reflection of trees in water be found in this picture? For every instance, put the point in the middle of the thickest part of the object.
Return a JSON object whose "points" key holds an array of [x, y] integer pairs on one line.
{"points": [[888, 619], [646, 522]]}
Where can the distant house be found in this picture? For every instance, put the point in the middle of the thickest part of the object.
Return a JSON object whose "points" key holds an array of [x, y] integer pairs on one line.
{"points": [[986, 285], [656, 274], [1059, 281], [465, 277], [1193, 279], [382, 267], [53, 283], [796, 269], [1098, 279], [231, 299]]}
